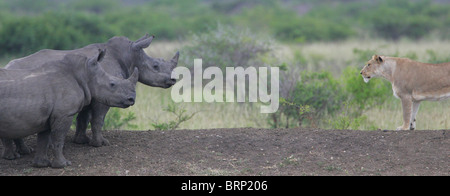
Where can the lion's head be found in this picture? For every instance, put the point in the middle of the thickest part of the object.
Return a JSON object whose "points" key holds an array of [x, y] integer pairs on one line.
{"points": [[372, 67]]}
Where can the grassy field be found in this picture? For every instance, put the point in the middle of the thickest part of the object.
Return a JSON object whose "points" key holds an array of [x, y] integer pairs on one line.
{"points": [[431, 116], [152, 101], [332, 56]]}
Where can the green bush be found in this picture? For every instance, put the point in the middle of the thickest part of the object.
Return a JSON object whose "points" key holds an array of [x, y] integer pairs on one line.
{"points": [[313, 29], [346, 120], [117, 118], [28, 34], [403, 18], [97, 6], [227, 46], [286, 25], [316, 94], [393, 24], [29, 25], [180, 117], [319, 98], [169, 20], [365, 95]]}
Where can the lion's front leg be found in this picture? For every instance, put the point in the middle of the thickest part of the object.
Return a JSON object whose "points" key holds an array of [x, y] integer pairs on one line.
{"points": [[415, 109], [407, 111]]}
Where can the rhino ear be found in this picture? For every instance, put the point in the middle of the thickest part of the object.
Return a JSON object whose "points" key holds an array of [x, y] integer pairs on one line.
{"points": [[101, 54], [93, 66], [93, 62], [175, 59], [142, 42], [142, 38], [135, 76]]}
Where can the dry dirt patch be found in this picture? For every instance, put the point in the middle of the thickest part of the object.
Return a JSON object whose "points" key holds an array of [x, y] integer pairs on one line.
{"points": [[250, 151]]}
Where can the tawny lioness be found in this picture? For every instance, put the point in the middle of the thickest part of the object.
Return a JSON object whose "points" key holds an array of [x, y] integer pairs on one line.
{"points": [[412, 82]]}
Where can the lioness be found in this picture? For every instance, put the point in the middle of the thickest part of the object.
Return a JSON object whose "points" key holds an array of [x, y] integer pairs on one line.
{"points": [[412, 82]]}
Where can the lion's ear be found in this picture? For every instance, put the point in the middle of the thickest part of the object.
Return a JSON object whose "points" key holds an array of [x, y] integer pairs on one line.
{"points": [[379, 59]]}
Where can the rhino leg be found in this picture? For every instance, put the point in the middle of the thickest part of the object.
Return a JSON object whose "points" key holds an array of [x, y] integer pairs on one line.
{"points": [[98, 116], [8, 151], [41, 158], [22, 148], [83, 119], [59, 131]]}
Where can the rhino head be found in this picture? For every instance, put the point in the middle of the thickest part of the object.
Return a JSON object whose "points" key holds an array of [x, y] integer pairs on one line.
{"points": [[154, 72], [107, 89]]}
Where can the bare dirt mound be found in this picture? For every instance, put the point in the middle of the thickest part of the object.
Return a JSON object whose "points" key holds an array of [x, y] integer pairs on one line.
{"points": [[251, 151]]}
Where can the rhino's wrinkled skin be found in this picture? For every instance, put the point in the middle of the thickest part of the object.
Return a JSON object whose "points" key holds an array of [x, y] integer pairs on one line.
{"points": [[122, 57], [45, 99]]}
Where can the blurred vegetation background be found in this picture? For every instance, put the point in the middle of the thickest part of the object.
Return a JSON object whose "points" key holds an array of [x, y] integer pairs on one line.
{"points": [[29, 25], [320, 45]]}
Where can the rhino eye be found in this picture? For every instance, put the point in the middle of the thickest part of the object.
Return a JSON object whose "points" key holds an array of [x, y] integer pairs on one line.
{"points": [[112, 84], [156, 67], [368, 65]]}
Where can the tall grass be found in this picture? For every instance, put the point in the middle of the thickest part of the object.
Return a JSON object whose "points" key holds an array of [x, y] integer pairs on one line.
{"points": [[431, 116], [150, 103]]}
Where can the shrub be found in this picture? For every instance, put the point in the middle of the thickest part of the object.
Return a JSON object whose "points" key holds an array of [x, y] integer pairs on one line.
{"points": [[365, 95], [313, 29], [170, 20], [227, 46], [287, 25], [180, 117], [317, 94], [97, 6], [396, 19], [116, 118], [346, 120], [51, 30]]}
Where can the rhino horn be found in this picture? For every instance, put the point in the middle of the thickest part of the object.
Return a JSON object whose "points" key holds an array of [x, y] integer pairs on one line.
{"points": [[175, 59], [143, 42], [135, 76]]}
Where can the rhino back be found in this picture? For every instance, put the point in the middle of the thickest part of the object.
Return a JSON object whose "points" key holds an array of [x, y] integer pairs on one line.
{"points": [[37, 59], [114, 63], [44, 56]]}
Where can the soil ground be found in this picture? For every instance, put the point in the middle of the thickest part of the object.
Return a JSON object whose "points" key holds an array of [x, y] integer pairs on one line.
{"points": [[250, 151]]}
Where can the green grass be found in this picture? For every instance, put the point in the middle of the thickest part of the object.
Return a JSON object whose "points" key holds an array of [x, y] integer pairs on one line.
{"points": [[151, 101], [431, 115]]}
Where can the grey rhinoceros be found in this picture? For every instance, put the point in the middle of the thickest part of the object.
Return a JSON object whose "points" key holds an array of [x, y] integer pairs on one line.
{"points": [[44, 100], [122, 57]]}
